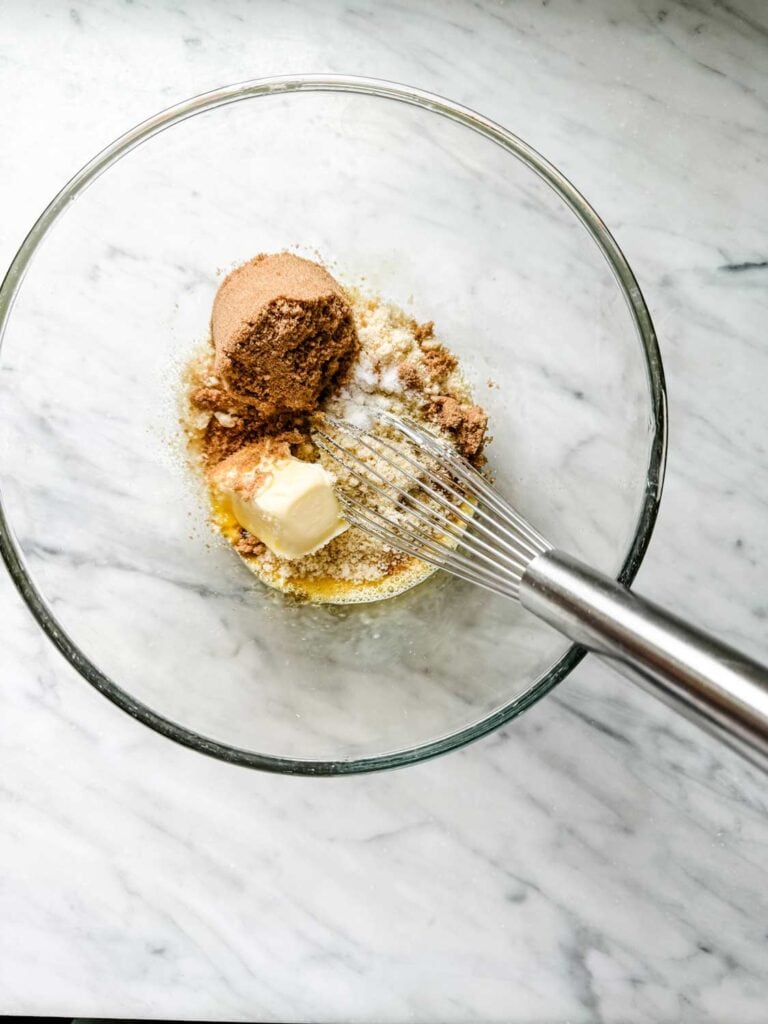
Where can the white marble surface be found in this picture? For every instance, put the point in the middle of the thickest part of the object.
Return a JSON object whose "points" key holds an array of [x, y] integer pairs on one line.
{"points": [[599, 860]]}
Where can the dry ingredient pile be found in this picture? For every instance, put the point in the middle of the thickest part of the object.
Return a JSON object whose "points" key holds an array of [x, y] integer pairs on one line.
{"points": [[287, 344]]}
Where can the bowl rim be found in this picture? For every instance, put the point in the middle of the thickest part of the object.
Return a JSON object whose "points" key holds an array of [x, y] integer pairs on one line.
{"points": [[11, 550]]}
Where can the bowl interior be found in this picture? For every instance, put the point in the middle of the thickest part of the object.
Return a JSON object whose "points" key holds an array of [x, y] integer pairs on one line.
{"points": [[111, 527]]}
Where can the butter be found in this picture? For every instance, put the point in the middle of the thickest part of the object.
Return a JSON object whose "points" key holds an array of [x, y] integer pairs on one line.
{"points": [[288, 504]]}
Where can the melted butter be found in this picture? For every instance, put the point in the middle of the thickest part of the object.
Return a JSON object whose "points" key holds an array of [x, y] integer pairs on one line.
{"points": [[223, 520]]}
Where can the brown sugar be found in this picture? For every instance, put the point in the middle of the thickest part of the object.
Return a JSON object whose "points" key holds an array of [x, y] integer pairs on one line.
{"points": [[283, 339], [249, 546], [227, 433], [283, 335], [439, 362], [244, 465], [465, 422], [422, 332], [410, 377], [471, 434]]}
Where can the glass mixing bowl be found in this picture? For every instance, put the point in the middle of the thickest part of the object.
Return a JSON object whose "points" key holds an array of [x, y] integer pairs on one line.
{"points": [[104, 530]]}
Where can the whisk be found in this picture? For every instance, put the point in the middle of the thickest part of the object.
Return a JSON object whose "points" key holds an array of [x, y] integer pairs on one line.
{"points": [[416, 494]]}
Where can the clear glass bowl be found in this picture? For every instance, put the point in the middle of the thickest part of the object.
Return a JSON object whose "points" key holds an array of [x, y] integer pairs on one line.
{"points": [[105, 532]]}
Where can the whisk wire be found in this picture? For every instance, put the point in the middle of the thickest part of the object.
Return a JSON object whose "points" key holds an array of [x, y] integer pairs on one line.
{"points": [[478, 512], [461, 469], [435, 506], [439, 509], [417, 508], [432, 552]]}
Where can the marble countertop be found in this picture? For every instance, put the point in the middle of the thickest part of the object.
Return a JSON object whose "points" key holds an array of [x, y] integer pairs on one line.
{"points": [[513, 880]]}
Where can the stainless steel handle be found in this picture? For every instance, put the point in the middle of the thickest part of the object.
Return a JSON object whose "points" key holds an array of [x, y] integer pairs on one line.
{"points": [[721, 690]]}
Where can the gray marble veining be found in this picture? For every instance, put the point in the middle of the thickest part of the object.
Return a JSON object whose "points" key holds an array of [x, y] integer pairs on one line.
{"points": [[599, 860]]}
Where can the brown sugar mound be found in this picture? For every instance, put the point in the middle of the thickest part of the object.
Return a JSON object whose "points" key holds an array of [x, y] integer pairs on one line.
{"points": [[283, 335]]}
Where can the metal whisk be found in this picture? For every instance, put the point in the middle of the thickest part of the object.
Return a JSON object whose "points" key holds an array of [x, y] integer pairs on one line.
{"points": [[417, 495]]}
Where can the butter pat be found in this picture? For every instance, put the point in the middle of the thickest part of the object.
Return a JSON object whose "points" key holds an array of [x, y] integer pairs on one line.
{"points": [[288, 504]]}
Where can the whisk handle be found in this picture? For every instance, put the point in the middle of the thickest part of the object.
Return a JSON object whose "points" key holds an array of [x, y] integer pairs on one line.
{"points": [[715, 686]]}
